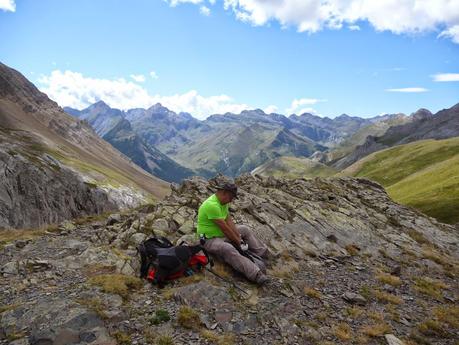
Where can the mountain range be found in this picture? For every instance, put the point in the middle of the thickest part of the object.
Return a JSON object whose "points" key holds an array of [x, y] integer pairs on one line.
{"points": [[112, 126], [229, 143]]}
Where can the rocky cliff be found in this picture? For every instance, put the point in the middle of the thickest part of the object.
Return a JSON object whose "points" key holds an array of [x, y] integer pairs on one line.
{"points": [[54, 167], [349, 266]]}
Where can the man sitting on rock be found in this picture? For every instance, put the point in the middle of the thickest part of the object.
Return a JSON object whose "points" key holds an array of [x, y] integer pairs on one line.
{"points": [[225, 239]]}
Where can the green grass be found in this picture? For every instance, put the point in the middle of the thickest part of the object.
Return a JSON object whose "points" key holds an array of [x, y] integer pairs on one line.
{"points": [[293, 167], [423, 174]]}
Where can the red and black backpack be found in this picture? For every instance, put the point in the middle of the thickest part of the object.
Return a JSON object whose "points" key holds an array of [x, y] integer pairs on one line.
{"points": [[162, 261]]}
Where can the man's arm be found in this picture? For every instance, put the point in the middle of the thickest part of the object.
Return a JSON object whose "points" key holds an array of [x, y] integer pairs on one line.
{"points": [[233, 236], [231, 224]]}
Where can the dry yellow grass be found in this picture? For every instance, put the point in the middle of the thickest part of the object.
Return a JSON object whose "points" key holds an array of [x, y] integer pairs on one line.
{"points": [[430, 287], [119, 284], [385, 297], [284, 269], [313, 293], [376, 330], [352, 249], [375, 315], [387, 278], [214, 338], [188, 318], [355, 312], [222, 269], [448, 314], [342, 331], [95, 304], [7, 236]]}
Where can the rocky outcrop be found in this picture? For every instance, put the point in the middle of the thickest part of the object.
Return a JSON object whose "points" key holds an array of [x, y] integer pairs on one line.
{"points": [[44, 192], [349, 265]]}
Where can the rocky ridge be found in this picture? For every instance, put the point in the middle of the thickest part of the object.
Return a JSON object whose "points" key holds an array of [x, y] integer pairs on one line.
{"points": [[54, 167], [350, 266], [423, 125]]}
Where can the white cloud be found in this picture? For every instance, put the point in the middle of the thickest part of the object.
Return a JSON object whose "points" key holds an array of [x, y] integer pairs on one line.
{"points": [[75, 90], [354, 27], [408, 89], [297, 106], [174, 3], [446, 77], [397, 16], [452, 33], [271, 109], [140, 78], [204, 10], [8, 5], [154, 75]]}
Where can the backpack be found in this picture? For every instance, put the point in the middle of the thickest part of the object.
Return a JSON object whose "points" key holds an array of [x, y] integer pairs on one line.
{"points": [[162, 261]]}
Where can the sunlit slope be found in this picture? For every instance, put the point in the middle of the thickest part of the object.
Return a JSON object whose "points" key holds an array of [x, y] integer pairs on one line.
{"points": [[294, 167], [423, 174]]}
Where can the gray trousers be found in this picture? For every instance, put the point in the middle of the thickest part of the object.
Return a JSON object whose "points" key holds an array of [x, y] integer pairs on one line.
{"points": [[221, 247]]}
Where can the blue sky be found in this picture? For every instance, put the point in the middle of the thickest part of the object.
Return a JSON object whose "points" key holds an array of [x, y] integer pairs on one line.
{"points": [[205, 58]]}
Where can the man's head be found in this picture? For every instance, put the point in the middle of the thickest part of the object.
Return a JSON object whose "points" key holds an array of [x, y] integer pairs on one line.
{"points": [[226, 192]]}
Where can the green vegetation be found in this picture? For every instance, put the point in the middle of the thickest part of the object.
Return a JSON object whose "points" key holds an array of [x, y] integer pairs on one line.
{"points": [[188, 318], [161, 316], [122, 338], [423, 174], [358, 138], [294, 167]]}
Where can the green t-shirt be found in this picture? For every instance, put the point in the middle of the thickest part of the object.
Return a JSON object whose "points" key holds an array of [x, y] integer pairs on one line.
{"points": [[209, 210]]}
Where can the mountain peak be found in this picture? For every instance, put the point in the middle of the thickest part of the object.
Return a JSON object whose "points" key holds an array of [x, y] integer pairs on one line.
{"points": [[100, 106], [422, 114], [158, 108]]}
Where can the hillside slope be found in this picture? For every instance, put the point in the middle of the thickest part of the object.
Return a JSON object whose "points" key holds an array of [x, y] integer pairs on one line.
{"points": [[423, 174], [293, 167], [36, 131], [422, 125]]}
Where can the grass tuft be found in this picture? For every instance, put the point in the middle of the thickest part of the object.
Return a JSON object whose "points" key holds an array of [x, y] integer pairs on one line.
{"points": [[376, 330], [386, 278], [342, 331], [161, 316], [312, 293], [430, 287], [188, 318], [385, 297], [214, 338], [119, 284], [165, 340]]}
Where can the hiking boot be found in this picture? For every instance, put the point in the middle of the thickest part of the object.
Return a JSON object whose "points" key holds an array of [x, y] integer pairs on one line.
{"points": [[261, 279]]}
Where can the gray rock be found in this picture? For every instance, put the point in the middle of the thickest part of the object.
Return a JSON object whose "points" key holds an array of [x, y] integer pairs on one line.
{"points": [[393, 340], [161, 224], [34, 193], [10, 268], [354, 298], [113, 218], [137, 238]]}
